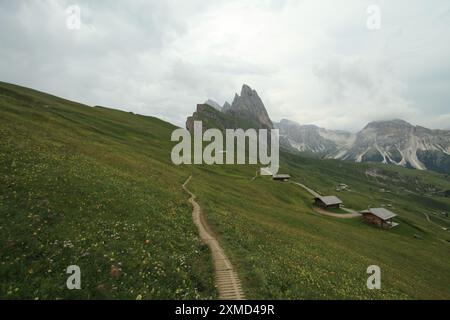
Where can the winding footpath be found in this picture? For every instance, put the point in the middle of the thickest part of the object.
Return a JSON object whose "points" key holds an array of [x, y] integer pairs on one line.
{"points": [[227, 281], [337, 215], [434, 223], [311, 191]]}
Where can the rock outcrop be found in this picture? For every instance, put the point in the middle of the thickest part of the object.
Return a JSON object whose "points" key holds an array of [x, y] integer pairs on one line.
{"points": [[213, 104], [246, 111], [249, 105]]}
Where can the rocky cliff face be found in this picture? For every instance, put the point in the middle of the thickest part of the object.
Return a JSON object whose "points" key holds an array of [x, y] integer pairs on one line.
{"points": [[203, 111], [226, 106], [249, 105], [246, 111]]}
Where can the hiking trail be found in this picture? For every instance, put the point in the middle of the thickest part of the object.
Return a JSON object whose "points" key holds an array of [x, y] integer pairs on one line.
{"points": [[227, 281]]}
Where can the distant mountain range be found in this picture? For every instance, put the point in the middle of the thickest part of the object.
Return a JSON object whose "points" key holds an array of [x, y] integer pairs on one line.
{"points": [[392, 142], [310, 138]]}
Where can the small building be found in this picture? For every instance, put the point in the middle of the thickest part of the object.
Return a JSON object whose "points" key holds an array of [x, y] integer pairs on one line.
{"points": [[281, 177], [342, 187], [327, 202], [380, 217]]}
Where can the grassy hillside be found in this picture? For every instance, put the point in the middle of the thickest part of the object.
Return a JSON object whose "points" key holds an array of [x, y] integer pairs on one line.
{"points": [[95, 187], [286, 250]]}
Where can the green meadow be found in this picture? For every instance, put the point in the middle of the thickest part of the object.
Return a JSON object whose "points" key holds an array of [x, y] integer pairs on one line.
{"points": [[95, 187]]}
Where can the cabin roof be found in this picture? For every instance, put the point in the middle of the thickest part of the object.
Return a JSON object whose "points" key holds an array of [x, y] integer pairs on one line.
{"points": [[330, 200], [381, 213], [281, 176]]}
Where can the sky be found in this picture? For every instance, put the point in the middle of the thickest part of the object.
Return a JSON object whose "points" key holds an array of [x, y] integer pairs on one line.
{"points": [[336, 64]]}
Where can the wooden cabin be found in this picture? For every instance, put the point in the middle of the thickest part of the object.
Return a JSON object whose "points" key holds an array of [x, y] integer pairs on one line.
{"points": [[380, 217], [328, 202], [281, 177]]}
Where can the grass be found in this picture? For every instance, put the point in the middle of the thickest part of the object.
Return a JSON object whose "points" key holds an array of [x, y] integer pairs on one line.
{"points": [[95, 187], [78, 187], [285, 251]]}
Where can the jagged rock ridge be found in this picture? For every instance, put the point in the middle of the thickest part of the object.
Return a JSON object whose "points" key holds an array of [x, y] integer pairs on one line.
{"points": [[246, 111], [249, 105]]}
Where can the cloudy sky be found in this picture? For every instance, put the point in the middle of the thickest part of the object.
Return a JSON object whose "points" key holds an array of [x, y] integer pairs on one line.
{"points": [[310, 61]]}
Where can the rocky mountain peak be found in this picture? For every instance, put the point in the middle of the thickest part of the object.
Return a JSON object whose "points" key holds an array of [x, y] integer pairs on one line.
{"points": [[249, 105], [226, 106], [247, 91], [246, 111]]}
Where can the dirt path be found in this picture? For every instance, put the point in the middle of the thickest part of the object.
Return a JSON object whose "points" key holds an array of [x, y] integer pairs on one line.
{"points": [[315, 194], [356, 213], [227, 281], [337, 215], [432, 222]]}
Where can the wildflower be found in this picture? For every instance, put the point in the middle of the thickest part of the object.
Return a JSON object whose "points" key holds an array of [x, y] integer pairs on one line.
{"points": [[115, 271]]}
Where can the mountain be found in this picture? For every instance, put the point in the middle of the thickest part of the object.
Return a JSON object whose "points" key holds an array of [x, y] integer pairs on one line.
{"points": [[249, 105], [398, 142], [395, 142], [246, 111], [311, 138], [391, 142]]}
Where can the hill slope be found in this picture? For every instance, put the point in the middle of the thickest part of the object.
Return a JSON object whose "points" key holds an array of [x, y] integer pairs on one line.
{"points": [[93, 187]]}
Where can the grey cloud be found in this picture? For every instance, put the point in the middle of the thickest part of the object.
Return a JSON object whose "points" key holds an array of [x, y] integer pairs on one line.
{"points": [[312, 61]]}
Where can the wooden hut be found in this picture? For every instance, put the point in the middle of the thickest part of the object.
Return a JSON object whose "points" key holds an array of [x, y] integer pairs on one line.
{"points": [[380, 217], [328, 202]]}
